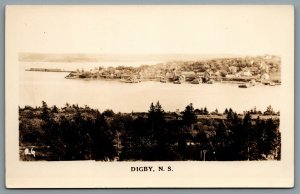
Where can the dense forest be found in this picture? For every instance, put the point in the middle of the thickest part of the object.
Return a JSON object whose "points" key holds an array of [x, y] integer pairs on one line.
{"points": [[83, 133]]}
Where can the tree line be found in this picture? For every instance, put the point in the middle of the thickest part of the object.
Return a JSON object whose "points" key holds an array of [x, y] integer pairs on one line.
{"points": [[83, 133]]}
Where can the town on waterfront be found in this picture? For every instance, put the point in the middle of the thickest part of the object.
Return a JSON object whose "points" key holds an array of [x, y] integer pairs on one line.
{"points": [[246, 71]]}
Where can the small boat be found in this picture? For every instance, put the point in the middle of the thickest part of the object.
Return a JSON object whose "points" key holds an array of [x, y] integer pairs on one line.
{"points": [[247, 85], [177, 82], [272, 84], [266, 83], [72, 77]]}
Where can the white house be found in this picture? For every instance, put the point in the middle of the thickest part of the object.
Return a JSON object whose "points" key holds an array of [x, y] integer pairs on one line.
{"points": [[265, 76], [247, 73]]}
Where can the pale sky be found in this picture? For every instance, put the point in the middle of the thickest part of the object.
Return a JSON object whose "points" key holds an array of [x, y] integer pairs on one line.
{"points": [[152, 29]]}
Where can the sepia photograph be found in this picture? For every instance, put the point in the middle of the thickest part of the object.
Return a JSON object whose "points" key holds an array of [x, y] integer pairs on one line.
{"points": [[87, 109], [159, 93]]}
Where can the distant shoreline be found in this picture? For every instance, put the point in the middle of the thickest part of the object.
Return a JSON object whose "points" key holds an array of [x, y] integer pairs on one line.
{"points": [[48, 70], [81, 57], [241, 70]]}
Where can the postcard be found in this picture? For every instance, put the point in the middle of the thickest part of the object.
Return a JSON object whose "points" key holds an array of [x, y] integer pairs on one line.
{"points": [[149, 96]]}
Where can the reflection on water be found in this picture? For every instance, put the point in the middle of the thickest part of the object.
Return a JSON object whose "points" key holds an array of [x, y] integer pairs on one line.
{"points": [[124, 97]]}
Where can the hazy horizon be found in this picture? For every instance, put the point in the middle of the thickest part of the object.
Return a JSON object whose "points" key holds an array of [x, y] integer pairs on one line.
{"points": [[102, 57]]}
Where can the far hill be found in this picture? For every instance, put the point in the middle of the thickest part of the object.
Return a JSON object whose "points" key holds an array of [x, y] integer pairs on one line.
{"points": [[69, 58]]}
